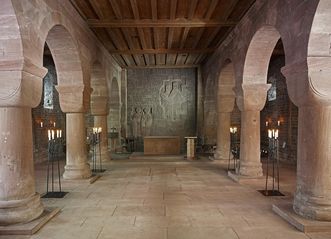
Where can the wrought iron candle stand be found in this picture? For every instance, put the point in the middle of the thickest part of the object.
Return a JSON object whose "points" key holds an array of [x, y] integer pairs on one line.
{"points": [[95, 142], [273, 157], [234, 151], [55, 147]]}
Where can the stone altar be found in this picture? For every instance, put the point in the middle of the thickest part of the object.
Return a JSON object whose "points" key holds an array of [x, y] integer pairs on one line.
{"points": [[161, 145]]}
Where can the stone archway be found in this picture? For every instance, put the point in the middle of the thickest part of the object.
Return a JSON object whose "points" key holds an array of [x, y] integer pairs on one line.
{"points": [[225, 104], [72, 92], [114, 116], [251, 97]]}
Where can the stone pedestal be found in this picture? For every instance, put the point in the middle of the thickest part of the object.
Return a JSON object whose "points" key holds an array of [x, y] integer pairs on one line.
{"points": [[76, 165], [223, 136], [190, 147], [313, 195], [19, 201], [101, 121]]}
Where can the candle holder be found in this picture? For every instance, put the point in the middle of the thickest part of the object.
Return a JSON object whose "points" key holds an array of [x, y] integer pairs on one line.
{"points": [[95, 142], [273, 157], [55, 148], [234, 151]]}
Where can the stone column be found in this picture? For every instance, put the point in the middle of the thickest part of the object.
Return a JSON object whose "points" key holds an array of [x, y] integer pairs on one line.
{"points": [[311, 92], [101, 121], [72, 103], [225, 104], [19, 92], [76, 164], [19, 201], [251, 100], [313, 195]]}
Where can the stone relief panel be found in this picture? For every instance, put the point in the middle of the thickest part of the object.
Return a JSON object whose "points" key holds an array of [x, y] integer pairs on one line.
{"points": [[161, 102]]}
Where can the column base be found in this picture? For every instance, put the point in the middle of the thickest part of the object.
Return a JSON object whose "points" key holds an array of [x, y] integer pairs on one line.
{"points": [[251, 170], [319, 210], [105, 156], [77, 171], [221, 156], [20, 211], [285, 211]]}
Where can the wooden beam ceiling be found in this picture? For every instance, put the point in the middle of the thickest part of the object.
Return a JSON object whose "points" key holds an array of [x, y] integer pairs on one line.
{"points": [[168, 33], [94, 23]]}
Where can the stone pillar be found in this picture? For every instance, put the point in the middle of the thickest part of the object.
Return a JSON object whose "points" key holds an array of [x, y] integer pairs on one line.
{"points": [[101, 121], [76, 164], [19, 201], [251, 100], [313, 195], [19, 92], [225, 104], [72, 103], [311, 92], [223, 136]]}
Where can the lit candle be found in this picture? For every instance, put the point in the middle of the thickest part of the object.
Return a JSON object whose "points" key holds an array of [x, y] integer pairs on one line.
{"points": [[60, 133], [276, 134], [54, 124], [266, 123], [49, 135], [269, 133], [278, 122], [57, 133], [41, 124], [231, 130], [273, 133], [53, 134]]}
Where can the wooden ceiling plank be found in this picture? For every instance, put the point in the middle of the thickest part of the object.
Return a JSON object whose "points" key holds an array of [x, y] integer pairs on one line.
{"points": [[162, 51], [173, 9], [161, 23], [184, 37], [135, 10], [163, 66], [116, 9], [154, 9], [211, 9]]}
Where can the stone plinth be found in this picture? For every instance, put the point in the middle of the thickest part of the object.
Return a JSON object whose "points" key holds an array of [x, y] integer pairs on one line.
{"points": [[285, 211], [161, 145]]}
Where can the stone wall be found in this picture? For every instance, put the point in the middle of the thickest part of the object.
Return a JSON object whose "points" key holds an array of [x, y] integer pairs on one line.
{"points": [[280, 109], [161, 102], [48, 112]]}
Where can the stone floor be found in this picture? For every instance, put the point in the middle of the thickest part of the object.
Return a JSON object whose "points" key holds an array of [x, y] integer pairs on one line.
{"points": [[166, 200]]}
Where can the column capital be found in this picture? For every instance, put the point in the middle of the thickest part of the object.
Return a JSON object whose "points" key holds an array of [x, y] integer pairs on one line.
{"points": [[21, 83], [252, 97], [72, 98]]}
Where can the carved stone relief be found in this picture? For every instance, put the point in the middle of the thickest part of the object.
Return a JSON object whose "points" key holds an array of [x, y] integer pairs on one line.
{"points": [[161, 102]]}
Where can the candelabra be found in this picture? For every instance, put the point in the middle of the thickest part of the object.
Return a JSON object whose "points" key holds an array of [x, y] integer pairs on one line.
{"points": [[273, 157], [95, 142], [234, 150], [55, 147]]}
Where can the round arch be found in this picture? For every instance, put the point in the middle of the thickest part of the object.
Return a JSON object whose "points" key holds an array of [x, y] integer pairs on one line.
{"points": [[319, 57], [258, 55], [58, 33]]}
